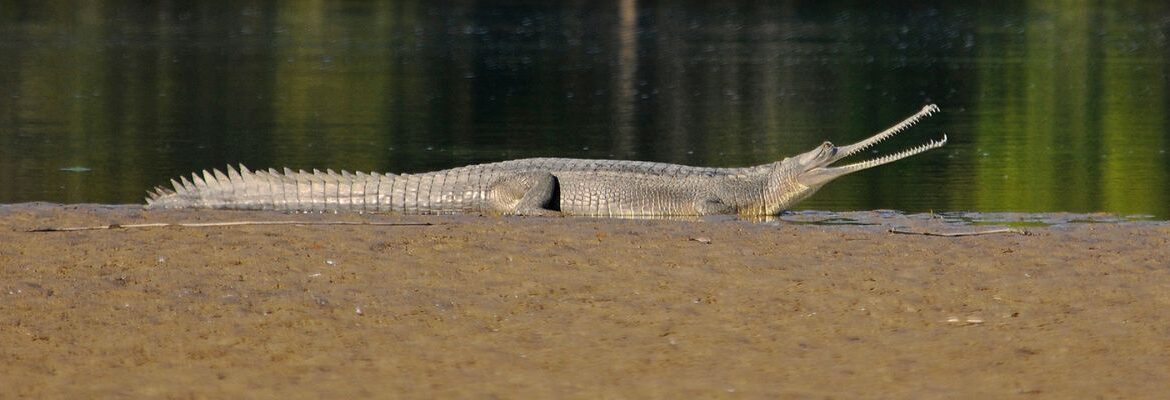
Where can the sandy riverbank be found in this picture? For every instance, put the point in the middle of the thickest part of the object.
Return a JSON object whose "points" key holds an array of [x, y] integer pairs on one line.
{"points": [[558, 307]]}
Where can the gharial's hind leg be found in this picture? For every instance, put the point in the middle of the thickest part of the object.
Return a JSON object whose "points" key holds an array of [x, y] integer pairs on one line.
{"points": [[529, 193]]}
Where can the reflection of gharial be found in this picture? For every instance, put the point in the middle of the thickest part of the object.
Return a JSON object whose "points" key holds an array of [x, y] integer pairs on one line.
{"points": [[540, 186]]}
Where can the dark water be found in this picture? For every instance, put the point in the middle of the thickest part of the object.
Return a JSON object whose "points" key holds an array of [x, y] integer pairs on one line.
{"points": [[1049, 107]]}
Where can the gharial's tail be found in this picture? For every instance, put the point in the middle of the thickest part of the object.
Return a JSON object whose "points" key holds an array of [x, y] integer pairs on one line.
{"points": [[275, 190]]}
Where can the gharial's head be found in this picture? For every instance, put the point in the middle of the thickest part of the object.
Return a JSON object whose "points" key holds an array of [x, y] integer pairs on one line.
{"points": [[811, 170]]}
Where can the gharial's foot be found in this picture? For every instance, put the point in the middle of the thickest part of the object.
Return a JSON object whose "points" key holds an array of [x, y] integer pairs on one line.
{"points": [[529, 193]]}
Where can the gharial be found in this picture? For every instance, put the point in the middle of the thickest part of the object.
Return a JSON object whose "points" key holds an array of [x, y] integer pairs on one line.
{"points": [[540, 186]]}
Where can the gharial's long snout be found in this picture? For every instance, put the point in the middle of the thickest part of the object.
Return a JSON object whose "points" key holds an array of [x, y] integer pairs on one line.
{"points": [[819, 172]]}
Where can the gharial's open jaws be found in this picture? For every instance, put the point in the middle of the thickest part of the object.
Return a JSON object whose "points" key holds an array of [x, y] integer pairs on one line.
{"points": [[825, 173]]}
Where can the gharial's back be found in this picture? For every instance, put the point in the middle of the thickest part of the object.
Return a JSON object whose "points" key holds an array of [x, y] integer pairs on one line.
{"points": [[584, 187]]}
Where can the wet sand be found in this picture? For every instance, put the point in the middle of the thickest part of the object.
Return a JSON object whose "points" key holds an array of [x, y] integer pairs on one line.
{"points": [[575, 308]]}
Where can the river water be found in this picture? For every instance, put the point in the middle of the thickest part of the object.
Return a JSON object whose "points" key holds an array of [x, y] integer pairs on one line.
{"points": [[1049, 107]]}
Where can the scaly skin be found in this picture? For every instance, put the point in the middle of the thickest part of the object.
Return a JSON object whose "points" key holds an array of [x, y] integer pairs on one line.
{"points": [[539, 186]]}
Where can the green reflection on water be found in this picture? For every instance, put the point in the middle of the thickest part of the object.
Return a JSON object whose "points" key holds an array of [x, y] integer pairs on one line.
{"points": [[1083, 98]]}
